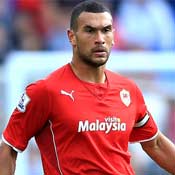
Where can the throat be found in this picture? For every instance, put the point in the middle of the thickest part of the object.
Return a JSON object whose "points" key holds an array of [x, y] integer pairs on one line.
{"points": [[88, 74]]}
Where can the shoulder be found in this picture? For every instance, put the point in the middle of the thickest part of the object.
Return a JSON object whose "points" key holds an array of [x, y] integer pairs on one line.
{"points": [[41, 85], [59, 76], [52, 78], [121, 82], [49, 85], [120, 79]]}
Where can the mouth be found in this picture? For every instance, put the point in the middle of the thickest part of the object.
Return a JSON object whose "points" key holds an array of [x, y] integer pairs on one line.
{"points": [[100, 51]]}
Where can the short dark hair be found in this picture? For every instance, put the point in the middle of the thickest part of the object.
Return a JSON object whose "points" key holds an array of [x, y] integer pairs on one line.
{"points": [[86, 6]]}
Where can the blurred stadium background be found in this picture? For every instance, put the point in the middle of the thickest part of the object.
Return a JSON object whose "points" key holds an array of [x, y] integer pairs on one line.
{"points": [[33, 42]]}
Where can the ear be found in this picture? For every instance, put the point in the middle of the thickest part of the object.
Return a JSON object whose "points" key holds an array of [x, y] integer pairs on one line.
{"points": [[113, 43], [71, 36], [113, 40]]}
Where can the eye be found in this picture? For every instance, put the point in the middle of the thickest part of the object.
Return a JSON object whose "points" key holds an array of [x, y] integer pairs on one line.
{"points": [[107, 29], [89, 30]]}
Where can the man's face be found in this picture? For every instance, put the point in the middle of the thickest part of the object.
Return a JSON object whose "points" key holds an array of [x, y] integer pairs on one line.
{"points": [[94, 38]]}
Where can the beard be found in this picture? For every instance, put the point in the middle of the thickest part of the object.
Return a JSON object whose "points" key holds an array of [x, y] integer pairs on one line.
{"points": [[88, 58]]}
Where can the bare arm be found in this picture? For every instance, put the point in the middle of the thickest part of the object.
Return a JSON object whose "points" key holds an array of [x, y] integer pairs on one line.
{"points": [[7, 159], [162, 151]]}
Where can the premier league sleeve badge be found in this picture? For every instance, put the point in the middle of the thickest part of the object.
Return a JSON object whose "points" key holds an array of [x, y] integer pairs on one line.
{"points": [[23, 102]]}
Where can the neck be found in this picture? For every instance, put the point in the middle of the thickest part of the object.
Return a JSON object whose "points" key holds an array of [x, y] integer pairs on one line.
{"points": [[89, 74]]}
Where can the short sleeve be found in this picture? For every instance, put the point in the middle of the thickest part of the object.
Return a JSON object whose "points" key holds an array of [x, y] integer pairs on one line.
{"points": [[29, 117], [145, 128]]}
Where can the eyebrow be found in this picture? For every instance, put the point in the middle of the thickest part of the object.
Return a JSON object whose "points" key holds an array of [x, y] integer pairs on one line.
{"points": [[95, 28]]}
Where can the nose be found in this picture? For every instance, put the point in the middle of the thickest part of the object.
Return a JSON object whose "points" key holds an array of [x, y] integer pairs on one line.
{"points": [[99, 38]]}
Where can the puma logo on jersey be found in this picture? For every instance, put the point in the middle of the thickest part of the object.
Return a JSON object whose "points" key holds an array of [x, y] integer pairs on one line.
{"points": [[68, 94]]}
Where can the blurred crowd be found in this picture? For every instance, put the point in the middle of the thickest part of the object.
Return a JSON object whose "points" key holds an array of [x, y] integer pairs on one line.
{"points": [[32, 25], [41, 24]]}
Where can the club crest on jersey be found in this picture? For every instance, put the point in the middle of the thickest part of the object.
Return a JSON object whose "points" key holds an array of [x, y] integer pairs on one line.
{"points": [[125, 97], [23, 102]]}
